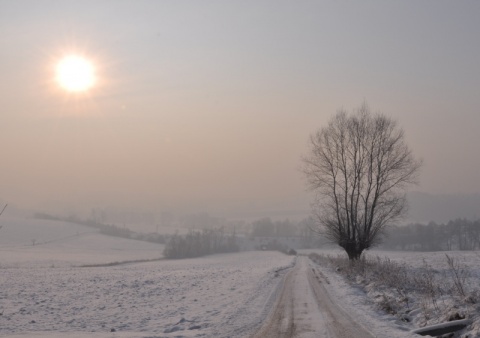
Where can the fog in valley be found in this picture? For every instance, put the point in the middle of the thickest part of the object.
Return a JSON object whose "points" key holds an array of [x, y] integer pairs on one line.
{"points": [[208, 107], [177, 164]]}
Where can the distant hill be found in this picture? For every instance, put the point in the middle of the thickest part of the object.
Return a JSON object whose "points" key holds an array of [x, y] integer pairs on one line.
{"points": [[28, 242], [426, 207]]}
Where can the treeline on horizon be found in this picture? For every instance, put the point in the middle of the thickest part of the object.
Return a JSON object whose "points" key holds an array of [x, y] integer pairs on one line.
{"points": [[200, 243], [459, 234], [262, 227]]}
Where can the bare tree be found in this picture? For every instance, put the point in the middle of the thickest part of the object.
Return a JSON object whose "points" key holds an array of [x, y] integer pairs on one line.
{"points": [[360, 167]]}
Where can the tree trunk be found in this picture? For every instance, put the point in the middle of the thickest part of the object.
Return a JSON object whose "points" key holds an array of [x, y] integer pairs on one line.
{"points": [[353, 251]]}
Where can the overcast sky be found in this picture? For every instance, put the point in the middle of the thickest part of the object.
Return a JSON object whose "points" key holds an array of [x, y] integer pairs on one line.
{"points": [[208, 105]]}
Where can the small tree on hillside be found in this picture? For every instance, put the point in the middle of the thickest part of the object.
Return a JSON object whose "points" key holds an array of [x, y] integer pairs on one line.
{"points": [[359, 166]]}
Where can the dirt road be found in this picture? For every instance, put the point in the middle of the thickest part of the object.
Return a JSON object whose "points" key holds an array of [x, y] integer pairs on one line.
{"points": [[305, 309]]}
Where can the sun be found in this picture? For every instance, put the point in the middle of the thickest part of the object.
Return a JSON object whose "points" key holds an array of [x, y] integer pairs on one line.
{"points": [[75, 73]]}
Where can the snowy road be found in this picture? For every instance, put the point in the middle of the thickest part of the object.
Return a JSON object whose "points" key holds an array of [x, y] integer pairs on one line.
{"points": [[304, 309]]}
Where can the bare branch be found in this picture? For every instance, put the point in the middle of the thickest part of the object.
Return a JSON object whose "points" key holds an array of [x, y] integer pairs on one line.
{"points": [[360, 167]]}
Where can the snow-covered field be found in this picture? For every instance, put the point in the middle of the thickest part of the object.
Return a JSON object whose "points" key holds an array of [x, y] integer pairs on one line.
{"points": [[44, 292], [470, 259], [62, 244]]}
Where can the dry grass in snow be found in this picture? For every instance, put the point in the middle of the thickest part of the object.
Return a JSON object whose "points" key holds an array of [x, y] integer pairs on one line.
{"points": [[419, 290]]}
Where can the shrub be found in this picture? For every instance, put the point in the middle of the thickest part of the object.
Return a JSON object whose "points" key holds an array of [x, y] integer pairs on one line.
{"points": [[196, 244], [396, 288]]}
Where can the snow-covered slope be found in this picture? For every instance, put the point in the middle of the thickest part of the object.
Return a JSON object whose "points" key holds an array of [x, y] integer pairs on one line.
{"points": [[45, 293], [43, 243]]}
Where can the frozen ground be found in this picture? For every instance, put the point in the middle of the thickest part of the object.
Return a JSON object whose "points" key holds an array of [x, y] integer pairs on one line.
{"points": [[221, 295], [61, 244], [45, 293], [437, 260], [304, 309], [367, 299]]}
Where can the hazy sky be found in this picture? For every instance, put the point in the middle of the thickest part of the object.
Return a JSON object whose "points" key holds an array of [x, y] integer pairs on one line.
{"points": [[208, 105]]}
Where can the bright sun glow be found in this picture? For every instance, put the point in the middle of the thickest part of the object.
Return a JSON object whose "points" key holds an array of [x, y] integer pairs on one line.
{"points": [[75, 73]]}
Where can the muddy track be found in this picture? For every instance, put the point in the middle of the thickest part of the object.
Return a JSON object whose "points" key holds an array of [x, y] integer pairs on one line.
{"points": [[305, 309]]}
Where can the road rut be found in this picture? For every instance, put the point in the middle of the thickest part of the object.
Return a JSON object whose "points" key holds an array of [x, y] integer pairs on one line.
{"points": [[305, 309]]}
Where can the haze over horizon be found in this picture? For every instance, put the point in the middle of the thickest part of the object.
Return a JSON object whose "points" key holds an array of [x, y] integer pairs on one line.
{"points": [[207, 106]]}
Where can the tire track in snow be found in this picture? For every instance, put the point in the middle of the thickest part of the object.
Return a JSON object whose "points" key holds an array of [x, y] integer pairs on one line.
{"points": [[304, 309]]}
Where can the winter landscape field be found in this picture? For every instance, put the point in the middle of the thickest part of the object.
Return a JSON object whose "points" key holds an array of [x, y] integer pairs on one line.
{"points": [[412, 290], [235, 169], [45, 291]]}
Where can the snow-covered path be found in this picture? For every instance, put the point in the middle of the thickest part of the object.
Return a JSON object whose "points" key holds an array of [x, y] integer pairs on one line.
{"points": [[304, 309]]}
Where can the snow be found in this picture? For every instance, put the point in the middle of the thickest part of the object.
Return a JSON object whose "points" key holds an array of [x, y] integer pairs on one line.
{"points": [[358, 298], [219, 295], [353, 301], [44, 291], [216, 295], [61, 244], [435, 259]]}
